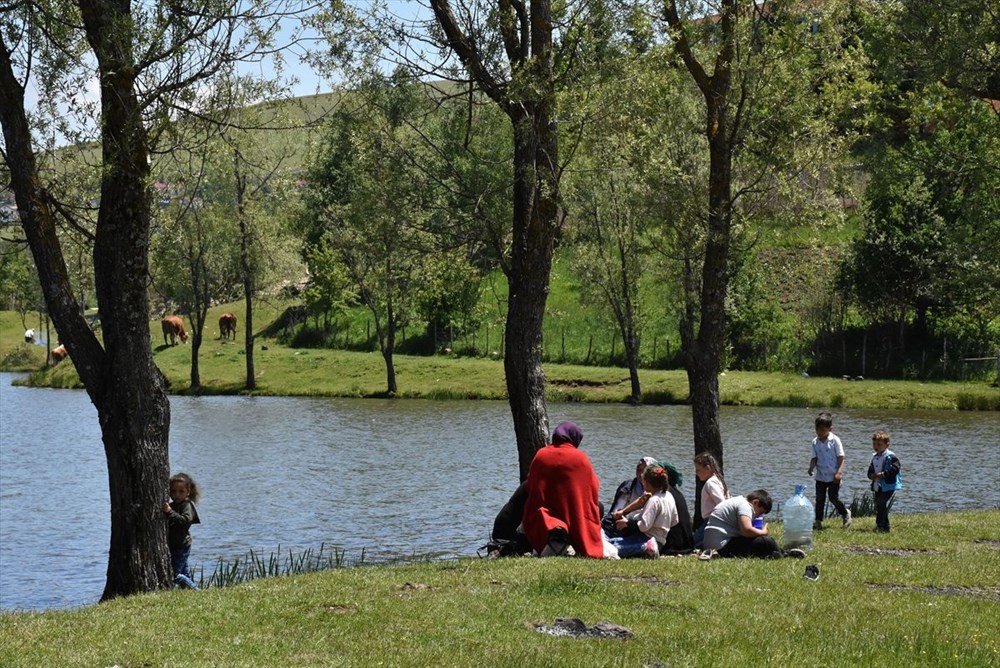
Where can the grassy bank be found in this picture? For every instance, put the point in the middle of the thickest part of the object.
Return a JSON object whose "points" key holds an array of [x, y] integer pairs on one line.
{"points": [[286, 371], [925, 595]]}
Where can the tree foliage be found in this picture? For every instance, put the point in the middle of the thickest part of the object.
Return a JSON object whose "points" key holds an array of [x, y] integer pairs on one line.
{"points": [[368, 205]]}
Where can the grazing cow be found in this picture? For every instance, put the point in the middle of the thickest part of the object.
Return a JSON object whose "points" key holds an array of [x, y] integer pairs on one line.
{"points": [[227, 326], [59, 353], [173, 326]]}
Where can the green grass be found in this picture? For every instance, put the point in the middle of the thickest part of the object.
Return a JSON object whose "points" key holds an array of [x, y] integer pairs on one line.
{"points": [[15, 354], [924, 595], [285, 371]]}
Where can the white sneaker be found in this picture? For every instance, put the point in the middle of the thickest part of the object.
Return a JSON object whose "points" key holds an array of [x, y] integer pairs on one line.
{"points": [[847, 519], [651, 550], [706, 555]]}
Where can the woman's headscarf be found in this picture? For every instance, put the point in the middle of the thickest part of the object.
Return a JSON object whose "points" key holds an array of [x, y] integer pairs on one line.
{"points": [[673, 475], [567, 432]]}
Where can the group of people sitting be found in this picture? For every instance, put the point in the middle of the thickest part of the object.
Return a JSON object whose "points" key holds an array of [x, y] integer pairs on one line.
{"points": [[557, 512]]}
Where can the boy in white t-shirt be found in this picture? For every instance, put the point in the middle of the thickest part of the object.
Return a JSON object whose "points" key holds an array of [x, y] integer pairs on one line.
{"points": [[828, 462]]}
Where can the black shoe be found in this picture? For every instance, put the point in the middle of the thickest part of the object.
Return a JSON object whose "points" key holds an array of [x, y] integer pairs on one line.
{"points": [[812, 572], [558, 542], [795, 553]]}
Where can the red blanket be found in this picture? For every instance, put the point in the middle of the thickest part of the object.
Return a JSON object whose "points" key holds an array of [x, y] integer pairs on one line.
{"points": [[563, 492]]}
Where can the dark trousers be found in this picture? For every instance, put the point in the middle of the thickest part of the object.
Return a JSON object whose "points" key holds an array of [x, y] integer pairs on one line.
{"points": [[761, 547], [882, 501], [831, 489]]}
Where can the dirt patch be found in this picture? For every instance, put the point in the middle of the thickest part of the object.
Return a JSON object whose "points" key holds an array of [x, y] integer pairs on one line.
{"points": [[886, 552], [644, 580], [995, 544], [989, 593], [417, 586], [339, 609], [575, 628]]}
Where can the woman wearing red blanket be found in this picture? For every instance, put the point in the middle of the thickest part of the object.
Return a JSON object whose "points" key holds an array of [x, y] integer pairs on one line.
{"points": [[562, 507]]}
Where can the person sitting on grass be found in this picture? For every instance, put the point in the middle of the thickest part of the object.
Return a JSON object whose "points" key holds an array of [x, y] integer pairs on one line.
{"points": [[626, 493], [680, 537], [562, 514], [730, 531], [644, 532]]}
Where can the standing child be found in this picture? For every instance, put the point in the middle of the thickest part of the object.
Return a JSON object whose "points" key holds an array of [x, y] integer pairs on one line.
{"points": [[714, 491], [884, 474], [181, 514], [828, 461], [654, 521]]}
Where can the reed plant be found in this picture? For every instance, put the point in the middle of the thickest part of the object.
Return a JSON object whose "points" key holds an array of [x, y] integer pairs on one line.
{"points": [[252, 566]]}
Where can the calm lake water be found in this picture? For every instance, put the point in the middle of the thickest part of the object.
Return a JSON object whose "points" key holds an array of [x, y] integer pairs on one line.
{"points": [[402, 477]]}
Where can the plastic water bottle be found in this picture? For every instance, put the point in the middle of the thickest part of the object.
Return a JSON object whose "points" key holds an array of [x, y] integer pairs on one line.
{"points": [[798, 516]]}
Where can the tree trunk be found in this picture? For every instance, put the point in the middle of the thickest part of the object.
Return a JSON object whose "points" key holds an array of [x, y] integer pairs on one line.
{"points": [[632, 354], [389, 348], [705, 299], [121, 379], [133, 409], [535, 228], [246, 269]]}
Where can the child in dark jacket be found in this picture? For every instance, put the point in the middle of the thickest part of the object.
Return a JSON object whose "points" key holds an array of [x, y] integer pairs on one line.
{"points": [[884, 474], [181, 514]]}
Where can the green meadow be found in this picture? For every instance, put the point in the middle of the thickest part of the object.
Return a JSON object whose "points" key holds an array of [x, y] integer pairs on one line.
{"points": [[287, 371], [928, 594]]}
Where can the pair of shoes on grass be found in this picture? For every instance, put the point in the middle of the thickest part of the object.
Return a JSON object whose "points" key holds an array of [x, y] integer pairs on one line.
{"points": [[706, 555]]}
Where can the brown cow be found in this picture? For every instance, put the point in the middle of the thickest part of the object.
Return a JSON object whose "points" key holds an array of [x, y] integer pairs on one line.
{"points": [[227, 326], [173, 326], [59, 353]]}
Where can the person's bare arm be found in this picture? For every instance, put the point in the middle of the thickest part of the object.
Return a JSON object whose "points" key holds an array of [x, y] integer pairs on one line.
{"points": [[635, 505], [748, 530]]}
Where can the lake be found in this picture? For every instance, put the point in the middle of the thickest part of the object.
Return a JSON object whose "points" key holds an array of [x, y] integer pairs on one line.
{"points": [[404, 477]]}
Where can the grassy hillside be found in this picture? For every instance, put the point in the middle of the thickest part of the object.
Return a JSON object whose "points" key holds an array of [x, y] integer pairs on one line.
{"points": [[924, 595]]}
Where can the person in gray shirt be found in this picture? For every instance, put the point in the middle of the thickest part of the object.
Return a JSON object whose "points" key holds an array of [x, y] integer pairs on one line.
{"points": [[730, 531]]}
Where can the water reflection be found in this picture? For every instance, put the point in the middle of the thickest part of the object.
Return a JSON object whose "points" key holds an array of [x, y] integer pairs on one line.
{"points": [[400, 477]]}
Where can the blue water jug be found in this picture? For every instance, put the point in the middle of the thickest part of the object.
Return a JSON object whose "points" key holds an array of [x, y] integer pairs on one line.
{"points": [[798, 518]]}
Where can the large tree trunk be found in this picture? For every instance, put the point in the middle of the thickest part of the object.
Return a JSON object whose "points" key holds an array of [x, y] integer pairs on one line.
{"points": [[121, 379], [535, 228], [133, 406]]}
